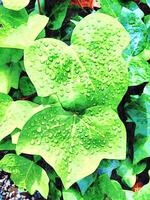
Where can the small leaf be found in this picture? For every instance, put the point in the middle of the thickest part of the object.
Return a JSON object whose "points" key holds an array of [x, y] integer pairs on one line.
{"points": [[107, 166], [57, 14], [138, 71], [17, 29], [128, 171], [26, 174], [26, 86], [7, 145], [85, 183], [110, 7], [15, 4], [137, 29], [105, 188], [71, 194], [10, 55], [139, 111]]}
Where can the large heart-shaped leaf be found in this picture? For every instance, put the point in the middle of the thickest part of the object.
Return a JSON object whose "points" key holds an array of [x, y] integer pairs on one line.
{"points": [[78, 72], [14, 114], [26, 174], [15, 4], [17, 30], [89, 78], [70, 143]]}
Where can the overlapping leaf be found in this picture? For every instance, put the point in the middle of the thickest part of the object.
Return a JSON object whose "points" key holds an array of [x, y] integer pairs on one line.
{"points": [[105, 188], [89, 73], [14, 114], [17, 30], [9, 76], [137, 29], [138, 111], [128, 171], [26, 174]]}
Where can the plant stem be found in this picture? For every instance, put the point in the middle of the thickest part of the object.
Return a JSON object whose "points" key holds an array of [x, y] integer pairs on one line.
{"points": [[39, 6]]}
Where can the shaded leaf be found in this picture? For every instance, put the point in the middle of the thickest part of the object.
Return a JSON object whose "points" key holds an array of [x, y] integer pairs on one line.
{"points": [[10, 55], [58, 14], [137, 29], [107, 166], [26, 86], [138, 71], [110, 7], [7, 145], [105, 188], [85, 183], [128, 171]]}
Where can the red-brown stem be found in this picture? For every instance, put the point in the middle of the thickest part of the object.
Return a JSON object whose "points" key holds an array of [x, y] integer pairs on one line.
{"points": [[39, 6]]}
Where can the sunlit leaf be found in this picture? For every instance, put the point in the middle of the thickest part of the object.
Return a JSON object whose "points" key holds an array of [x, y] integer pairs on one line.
{"points": [[26, 174]]}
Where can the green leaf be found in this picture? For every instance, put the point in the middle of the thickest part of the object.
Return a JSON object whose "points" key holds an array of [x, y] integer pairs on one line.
{"points": [[9, 76], [142, 194], [105, 188], [128, 171], [15, 4], [107, 166], [10, 55], [110, 7], [26, 86], [71, 194], [26, 174], [14, 114], [57, 14], [91, 70], [17, 29], [15, 136], [146, 2], [7, 145], [85, 183], [138, 71], [137, 29], [139, 112], [71, 142]]}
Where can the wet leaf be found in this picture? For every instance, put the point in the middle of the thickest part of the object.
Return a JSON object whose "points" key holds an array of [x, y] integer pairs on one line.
{"points": [[26, 174], [78, 72], [69, 142]]}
